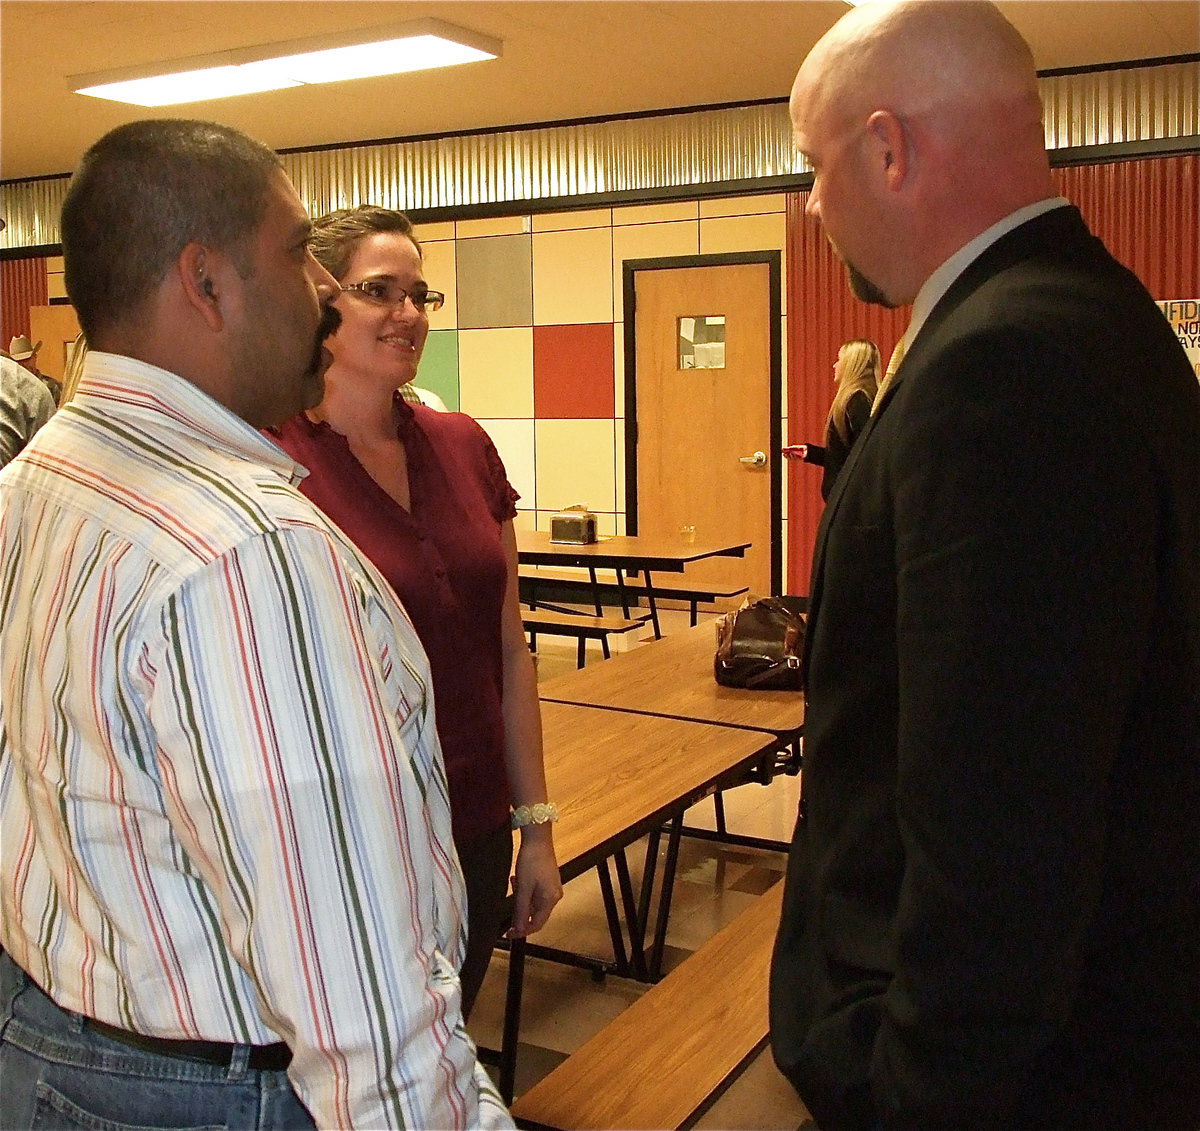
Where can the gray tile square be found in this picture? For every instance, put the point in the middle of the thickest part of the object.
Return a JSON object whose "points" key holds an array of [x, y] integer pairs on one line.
{"points": [[495, 282]]}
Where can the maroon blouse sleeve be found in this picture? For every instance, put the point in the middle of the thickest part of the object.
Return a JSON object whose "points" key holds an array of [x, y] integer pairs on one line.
{"points": [[501, 495]]}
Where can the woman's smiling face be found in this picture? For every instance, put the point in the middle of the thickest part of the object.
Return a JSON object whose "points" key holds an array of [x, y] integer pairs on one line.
{"points": [[381, 342]]}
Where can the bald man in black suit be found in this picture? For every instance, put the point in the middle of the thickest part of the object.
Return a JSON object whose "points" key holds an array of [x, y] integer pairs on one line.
{"points": [[992, 913]]}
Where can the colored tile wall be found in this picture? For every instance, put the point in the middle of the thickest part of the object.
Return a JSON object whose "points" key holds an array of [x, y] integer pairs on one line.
{"points": [[531, 339]]}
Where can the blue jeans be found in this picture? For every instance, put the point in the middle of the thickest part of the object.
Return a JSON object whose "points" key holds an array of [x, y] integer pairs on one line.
{"points": [[56, 1072]]}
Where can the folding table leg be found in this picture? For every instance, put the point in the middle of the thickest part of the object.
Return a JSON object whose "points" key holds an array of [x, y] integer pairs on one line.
{"points": [[595, 591], [719, 806], [622, 592], [614, 919], [664, 900], [512, 1019], [652, 603], [637, 932], [637, 943]]}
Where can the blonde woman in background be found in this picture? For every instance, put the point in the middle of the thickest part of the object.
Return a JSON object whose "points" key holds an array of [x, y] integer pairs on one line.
{"points": [[857, 373], [74, 369]]}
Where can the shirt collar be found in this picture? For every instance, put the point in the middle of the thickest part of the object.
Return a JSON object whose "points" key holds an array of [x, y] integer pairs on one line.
{"points": [[943, 278], [161, 399]]}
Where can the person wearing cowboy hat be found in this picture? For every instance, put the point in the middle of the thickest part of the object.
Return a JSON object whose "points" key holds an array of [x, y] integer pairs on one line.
{"points": [[25, 405], [20, 349]]}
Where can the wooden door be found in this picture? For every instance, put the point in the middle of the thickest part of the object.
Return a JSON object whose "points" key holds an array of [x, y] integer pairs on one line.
{"points": [[56, 327], [697, 430]]}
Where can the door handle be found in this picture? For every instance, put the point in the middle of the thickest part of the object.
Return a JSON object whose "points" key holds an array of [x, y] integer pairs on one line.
{"points": [[759, 459]]}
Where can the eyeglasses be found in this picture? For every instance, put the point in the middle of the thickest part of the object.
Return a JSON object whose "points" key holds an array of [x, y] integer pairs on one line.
{"points": [[387, 292]]}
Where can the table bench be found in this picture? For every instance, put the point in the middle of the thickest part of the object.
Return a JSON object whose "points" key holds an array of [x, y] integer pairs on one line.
{"points": [[579, 625], [535, 580], [623, 553], [665, 1059]]}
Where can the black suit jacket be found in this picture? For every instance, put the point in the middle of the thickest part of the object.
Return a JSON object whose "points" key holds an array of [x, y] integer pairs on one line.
{"points": [[992, 913]]}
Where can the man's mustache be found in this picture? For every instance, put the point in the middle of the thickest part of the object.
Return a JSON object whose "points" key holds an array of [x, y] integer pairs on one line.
{"points": [[331, 319]]}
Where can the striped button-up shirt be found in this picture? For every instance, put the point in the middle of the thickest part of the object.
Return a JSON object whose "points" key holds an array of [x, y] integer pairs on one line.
{"points": [[223, 811]]}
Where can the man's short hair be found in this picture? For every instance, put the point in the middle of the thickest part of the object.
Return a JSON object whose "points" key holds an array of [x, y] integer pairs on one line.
{"points": [[142, 193]]}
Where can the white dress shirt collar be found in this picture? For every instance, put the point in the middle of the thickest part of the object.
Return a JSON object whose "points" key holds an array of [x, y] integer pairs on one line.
{"points": [[159, 396], [941, 280]]}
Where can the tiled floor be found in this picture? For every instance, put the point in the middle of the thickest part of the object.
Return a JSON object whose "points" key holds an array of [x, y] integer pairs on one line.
{"points": [[563, 1006]]}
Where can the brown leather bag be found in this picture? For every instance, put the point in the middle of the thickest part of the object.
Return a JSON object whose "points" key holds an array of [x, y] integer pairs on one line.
{"points": [[760, 645]]}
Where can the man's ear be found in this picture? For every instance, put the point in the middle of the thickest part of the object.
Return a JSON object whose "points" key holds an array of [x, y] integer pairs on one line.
{"points": [[890, 148], [197, 269]]}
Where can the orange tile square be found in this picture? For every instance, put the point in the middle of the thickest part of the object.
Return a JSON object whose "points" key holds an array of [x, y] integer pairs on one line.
{"points": [[573, 372]]}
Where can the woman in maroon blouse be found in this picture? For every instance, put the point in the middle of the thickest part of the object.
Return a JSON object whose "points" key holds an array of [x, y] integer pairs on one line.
{"points": [[424, 495]]}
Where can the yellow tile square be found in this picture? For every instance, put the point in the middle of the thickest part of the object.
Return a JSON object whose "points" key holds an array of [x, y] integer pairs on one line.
{"points": [[656, 213], [572, 277], [55, 287], [493, 226], [514, 442], [441, 275], [743, 233], [54, 263], [649, 241], [561, 221], [440, 230], [495, 372], [575, 464], [743, 205]]}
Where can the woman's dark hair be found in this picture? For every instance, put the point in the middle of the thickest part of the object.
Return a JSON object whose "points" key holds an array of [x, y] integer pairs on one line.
{"points": [[142, 193], [336, 234]]}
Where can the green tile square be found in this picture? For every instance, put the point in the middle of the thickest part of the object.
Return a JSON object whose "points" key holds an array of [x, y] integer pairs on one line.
{"points": [[439, 366]]}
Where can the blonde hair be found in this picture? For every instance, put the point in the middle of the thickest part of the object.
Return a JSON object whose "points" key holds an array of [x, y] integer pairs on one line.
{"points": [[74, 369], [861, 369]]}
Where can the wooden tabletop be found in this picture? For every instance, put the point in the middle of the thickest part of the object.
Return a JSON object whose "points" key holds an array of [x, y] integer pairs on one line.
{"points": [[622, 551], [674, 677], [615, 775]]}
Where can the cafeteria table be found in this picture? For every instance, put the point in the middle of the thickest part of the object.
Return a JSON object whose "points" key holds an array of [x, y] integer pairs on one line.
{"points": [[673, 678], [624, 554]]}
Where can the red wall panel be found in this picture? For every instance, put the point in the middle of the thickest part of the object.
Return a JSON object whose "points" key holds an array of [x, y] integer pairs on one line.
{"points": [[1146, 211], [22, 285], [822, 314]]}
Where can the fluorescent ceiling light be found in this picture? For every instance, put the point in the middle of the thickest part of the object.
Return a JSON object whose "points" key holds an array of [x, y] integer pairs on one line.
{"points": [[415, 46]]}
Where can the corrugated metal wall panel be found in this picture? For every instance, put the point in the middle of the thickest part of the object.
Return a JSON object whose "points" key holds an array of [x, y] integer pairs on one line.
{"points": [[30, 210], [1147, 212], [1106, 107], [671, 151]]}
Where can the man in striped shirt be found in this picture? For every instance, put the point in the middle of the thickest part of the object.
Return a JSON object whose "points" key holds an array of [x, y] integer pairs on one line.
{"points": [[228, 889]]}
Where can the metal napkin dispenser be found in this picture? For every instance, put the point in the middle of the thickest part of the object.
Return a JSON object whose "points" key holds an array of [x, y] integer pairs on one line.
{"points": [[575, 525]]}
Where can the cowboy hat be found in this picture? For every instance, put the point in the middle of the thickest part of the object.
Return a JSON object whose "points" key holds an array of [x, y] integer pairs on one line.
{"points": [[19, 348]]}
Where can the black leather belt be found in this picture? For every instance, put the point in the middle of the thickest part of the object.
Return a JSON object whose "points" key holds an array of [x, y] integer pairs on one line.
{"points": [[263, 1058]]}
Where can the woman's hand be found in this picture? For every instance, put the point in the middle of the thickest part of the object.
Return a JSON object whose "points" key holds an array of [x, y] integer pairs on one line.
{"points": [[537, 886], [796, 451]]}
